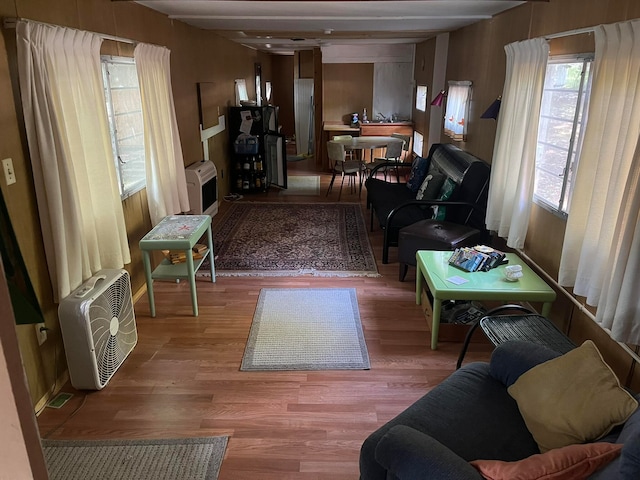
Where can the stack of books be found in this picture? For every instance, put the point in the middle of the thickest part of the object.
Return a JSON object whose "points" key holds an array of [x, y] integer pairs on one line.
{"points": [[479, 258], [180, 256]]}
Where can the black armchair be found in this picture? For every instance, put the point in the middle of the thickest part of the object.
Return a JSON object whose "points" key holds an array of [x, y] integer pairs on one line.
{"points": [[395, 206]]}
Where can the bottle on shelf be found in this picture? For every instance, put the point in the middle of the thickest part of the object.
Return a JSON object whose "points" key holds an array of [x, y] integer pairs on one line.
{"points": [[246, 166]]}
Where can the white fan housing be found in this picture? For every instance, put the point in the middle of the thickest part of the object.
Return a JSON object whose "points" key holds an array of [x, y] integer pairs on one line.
{"points": [[98, 328]]}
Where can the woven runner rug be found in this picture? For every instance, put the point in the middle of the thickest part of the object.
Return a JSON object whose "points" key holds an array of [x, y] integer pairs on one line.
{"points": [[290, 239], [306, 329], [169, 459], [302, 185]]}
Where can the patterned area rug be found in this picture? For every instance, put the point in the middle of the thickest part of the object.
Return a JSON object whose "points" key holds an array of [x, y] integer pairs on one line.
{"points": [[170, 459], [306, 329], [302, 185], [290, 239]]}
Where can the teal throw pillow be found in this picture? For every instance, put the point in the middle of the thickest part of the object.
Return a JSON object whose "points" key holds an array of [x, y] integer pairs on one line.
{"points": [[418, 172], [448, 187]]}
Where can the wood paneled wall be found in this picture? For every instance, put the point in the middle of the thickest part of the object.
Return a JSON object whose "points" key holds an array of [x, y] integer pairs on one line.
{"points": [[347, 88], [423, 75], [476, 53], [282, 80], [196, 56]]}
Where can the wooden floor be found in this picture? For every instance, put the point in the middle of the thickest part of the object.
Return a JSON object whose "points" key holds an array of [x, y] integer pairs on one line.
{"points": [[183, 378]]}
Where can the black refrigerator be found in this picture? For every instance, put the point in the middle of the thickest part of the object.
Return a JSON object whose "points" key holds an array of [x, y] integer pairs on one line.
{"points": [[258, 151]]}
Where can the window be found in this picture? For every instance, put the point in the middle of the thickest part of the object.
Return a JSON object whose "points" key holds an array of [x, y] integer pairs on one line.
{"points": [[122, 94], [421, 98], [562, 118], [241, 91], [456, 115], [417, 143], [267, 91]]}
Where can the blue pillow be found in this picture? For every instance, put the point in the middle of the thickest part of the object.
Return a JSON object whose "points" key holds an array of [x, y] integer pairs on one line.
{"points": [[418, 172], [511, 359], [627, 465]]}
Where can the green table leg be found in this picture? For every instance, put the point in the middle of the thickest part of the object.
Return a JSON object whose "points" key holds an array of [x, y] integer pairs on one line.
{"points": [[213, 268], [435, 323], [546, 309], [419, 279], [147, 273], [192, 282]]}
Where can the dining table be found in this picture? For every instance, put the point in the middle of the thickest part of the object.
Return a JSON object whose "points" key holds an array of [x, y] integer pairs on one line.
{"points": [[365, 143]]}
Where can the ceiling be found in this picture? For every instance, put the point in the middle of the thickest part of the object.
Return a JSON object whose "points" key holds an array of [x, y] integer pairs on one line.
{"points": [[281, 27]]}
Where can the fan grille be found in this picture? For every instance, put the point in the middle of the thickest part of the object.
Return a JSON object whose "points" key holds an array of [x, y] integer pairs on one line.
{"points": [[113, 327]]}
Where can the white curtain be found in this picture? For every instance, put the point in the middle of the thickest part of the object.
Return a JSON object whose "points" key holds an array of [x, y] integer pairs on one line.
{"points": [[514, 156], [455, 117], [597, 258], [70, 148], [166, 182], [619, 306]]}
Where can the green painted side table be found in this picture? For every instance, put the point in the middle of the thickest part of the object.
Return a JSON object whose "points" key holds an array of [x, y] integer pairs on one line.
{"points": [[177, 232], [434, 269]]}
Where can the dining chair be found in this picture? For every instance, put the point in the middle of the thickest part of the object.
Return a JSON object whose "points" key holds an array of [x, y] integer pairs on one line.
{"points": [[346, 168], [348, 152], [406, 158], [393, 153]]}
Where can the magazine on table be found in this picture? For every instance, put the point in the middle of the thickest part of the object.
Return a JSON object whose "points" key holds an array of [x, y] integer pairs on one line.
{"points": [[478, 258]]}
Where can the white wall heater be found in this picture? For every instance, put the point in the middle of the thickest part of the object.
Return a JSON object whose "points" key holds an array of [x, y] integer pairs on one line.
{"points": [[202, 187]]}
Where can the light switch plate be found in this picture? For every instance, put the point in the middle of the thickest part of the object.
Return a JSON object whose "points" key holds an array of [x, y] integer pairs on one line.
{"points": [[9, 174]]}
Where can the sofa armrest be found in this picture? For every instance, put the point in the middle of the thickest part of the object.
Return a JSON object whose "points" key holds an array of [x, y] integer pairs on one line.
{"points": [[431, 203], [409, 454]]}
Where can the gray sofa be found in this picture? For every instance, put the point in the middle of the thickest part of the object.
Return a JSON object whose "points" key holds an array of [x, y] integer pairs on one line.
{"points": [[395, 205], [471, 416]]}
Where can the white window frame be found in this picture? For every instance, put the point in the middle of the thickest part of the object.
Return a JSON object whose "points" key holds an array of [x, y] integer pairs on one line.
{"points": [[132, 184], [241, 91], [267, 91], [418, 140], [574, 145], [421, 98], [456, 117]]}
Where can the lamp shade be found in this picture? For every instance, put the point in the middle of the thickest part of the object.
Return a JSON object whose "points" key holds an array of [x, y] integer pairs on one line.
{"points": [[437, 102], [493, 110]]}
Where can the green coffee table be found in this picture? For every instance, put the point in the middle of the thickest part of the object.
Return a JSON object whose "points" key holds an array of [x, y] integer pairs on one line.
{"points": [[177, 232], [434, 269]]}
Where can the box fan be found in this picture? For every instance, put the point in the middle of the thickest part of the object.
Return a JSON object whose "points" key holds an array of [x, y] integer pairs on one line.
{"points": [[98, 328]]}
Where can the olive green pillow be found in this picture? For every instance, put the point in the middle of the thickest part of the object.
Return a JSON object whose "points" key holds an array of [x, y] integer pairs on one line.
{"points": [[575, 398]]}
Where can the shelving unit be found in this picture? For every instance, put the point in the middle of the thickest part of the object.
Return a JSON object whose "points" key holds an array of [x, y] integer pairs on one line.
{"points": [[258, 157], [249, 174]]}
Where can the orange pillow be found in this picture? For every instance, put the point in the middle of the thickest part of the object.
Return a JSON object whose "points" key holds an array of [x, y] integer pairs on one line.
{"points": [[573, 462]]}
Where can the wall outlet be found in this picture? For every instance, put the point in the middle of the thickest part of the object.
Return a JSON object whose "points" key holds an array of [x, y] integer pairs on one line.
{"points": [[41, 333], [9, 174]]}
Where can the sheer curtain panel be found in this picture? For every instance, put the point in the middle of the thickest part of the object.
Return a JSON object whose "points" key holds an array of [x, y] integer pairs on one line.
{"points": [[75, 180], [514, 156], [455, 117], [597, 258], [166, 182]]}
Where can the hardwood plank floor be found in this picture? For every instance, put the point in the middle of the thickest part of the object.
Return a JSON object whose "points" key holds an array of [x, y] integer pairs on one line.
{"points": [[183, 378]]}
